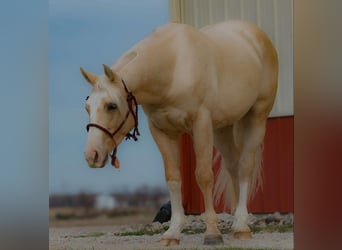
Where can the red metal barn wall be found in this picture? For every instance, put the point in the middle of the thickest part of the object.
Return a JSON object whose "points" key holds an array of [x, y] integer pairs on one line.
{"points": [[277, 188]]}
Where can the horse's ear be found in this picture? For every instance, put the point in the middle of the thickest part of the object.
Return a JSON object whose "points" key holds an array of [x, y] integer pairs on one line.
{"points": [[90, 77], [112, 76]]}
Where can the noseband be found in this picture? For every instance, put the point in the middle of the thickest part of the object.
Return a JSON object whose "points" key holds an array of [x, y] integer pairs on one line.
{"points": [[130, 101]]}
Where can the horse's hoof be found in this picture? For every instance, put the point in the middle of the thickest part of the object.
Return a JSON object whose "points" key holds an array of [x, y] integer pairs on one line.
{"points": [[169, 242], [213, 239], [244, 235], [174, 242], [164, 242]]}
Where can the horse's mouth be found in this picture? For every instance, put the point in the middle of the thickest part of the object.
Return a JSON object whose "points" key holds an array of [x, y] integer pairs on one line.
{"points": [[96, 163]]}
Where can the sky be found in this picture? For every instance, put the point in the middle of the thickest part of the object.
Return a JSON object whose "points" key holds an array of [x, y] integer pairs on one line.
{"points": [[91, 33]]}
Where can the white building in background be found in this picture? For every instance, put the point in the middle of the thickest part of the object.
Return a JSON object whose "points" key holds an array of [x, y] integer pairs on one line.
{"points": [[105, 201]]}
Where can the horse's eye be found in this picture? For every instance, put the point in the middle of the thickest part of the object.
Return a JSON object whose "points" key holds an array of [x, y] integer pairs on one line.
{"points": [[111, 106], [87, 97]]}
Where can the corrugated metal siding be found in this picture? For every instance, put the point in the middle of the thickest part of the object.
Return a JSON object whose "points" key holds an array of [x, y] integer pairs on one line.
{"points": [[277, 193], [273, 16]]}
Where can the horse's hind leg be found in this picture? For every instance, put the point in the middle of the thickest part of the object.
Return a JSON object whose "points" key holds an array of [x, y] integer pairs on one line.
{"points": [[169, 149], [203, 145], [227, 183], [249, 133]]}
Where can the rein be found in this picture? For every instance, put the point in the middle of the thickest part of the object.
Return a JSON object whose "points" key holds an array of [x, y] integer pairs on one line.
{"points": [[131, 100]]}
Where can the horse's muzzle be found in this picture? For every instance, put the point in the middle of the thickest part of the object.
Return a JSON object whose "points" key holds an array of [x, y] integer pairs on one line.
{"points": [[95, 160]]}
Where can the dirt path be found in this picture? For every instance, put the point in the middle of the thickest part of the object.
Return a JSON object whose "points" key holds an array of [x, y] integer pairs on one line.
{"points": [[104, 238], [272, 231]]}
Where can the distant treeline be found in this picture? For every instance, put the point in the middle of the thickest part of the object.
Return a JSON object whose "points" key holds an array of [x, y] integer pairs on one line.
{"points": [[143, 196]]}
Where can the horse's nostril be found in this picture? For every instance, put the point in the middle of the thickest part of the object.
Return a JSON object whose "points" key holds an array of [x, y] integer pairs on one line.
{"points": [[96, 157]]}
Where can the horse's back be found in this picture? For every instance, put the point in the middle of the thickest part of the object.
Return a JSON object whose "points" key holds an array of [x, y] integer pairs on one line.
{"points": [[241, 42], [227, 67]]}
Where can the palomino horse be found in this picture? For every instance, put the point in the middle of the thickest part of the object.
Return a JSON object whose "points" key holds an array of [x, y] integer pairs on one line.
{"points": [[217, 84]]}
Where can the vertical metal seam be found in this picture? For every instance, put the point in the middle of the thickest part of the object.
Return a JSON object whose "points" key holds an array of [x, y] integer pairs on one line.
{"points": [[210, 8], [242, 9], [181, 11], [195, 8], [175, 11], [258, 13], [276, 43], [276, 23], [225, 9]]}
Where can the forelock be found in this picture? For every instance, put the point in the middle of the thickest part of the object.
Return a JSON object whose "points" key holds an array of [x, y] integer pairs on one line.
{"points": [[103, 89]]}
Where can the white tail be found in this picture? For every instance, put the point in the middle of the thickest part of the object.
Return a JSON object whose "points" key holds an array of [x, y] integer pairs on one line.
{"points": [[224, 187]]}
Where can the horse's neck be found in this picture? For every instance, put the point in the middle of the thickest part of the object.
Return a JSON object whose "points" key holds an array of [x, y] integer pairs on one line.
{"points": [[140, 72]]}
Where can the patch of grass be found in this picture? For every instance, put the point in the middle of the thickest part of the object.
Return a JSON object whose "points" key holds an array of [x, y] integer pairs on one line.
{"points": [[69, 248], [272, 229], [239, 248], [135, 233], [139, 232], [95, 234], [64, 216], [216, 248], [190, 231]]}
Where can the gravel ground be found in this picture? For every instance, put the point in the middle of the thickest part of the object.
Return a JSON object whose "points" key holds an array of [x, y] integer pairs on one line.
{"points": [[273, 231]]}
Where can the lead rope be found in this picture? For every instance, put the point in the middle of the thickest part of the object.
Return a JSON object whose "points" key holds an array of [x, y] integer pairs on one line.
{"points": [[130, 100]]}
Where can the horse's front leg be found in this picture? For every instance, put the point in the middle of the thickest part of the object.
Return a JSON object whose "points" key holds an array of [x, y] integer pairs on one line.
{"points": [[169, 149], [203, 145]]}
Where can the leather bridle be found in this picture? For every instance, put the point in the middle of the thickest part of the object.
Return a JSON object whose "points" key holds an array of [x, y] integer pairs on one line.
{"points": [[131, 100]]}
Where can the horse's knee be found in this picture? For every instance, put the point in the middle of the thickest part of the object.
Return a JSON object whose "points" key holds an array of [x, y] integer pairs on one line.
{"points": [[204, 177], [172, 174], [172, 177]]}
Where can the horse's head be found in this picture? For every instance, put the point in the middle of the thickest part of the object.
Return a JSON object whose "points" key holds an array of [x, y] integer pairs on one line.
{"points": [[111, 116]]}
